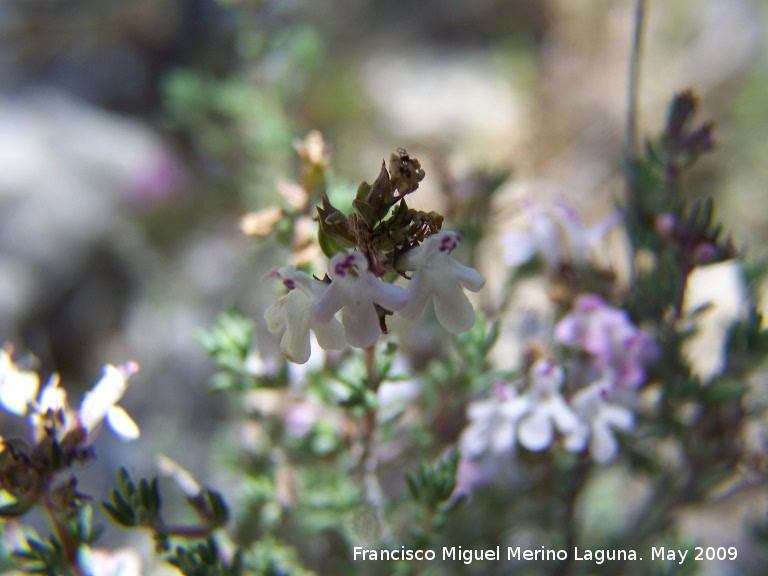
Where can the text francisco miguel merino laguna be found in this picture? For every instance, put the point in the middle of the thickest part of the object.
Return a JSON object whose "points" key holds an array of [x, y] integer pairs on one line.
{"points": [[467, 556]]}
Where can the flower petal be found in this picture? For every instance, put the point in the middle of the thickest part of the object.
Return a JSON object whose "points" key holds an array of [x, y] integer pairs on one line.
{"points": [[569, 329], [474, 440], [598, 231], [603, 446], [122, 424], [565, 420], [330, 336], [577, 440], [515, 408], [518, 248], [468, 277], [535, 431], [386, 295], [52, 397], [503, 436], [18, 390], [421, 255], [105, 394], [275, 316], [453, 309], [419, 291], [328, 303], [617, 417], [294, 345], [361, 324], [182, 477], [481, 410]]}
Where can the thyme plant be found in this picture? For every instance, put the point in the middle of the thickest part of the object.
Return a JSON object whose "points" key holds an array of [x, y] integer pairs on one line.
{"points": [[389, 439]]}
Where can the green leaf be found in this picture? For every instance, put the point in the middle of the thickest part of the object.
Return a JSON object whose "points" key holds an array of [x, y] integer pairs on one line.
{"points": [[16, 509], [720, 392], [491, 337], [433, 484], [328, 245], [220, 512], [124, 517], [366, 212], [454, 504], [362, 191], [413, 485], [125, 483]]}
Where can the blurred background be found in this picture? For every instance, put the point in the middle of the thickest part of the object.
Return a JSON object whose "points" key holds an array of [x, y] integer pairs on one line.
{"points": [[134, 135]]}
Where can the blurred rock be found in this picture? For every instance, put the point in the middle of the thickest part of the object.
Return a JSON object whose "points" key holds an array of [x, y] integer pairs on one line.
{"points": [[72, 182], [109, 53]]}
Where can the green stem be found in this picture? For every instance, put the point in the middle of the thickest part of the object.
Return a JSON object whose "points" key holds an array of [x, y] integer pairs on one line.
{"points": [[62, 533], [374, 495], [632, 215], [189, 532], [578, 478], [634, 79]]}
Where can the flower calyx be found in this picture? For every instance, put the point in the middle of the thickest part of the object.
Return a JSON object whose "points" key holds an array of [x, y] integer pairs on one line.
{"points": [[381, 224]]}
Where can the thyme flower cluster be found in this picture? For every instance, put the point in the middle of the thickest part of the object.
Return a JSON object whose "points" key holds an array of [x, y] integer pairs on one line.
{"points": [[380, 241], [61, 435], [600, 404]]}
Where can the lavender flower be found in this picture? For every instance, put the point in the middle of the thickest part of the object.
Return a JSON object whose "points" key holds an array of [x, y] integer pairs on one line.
{"points": [[618, 348]]}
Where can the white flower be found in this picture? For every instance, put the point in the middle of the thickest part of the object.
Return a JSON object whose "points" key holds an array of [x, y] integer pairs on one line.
{"points": [[580, 239], [356, 289], [18, 388], [182, 477], [598, 419], [722, 288], [547, 409], [540, 238], [101, 402], [52, 397], [53, 402], [492, 423], [439, 276], [556, 234], [98, 562], [291, 317]]}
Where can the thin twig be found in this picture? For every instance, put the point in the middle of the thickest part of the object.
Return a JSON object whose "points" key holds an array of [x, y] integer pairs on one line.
{"points": [[374, 495], [634, 79], [632, 208]]}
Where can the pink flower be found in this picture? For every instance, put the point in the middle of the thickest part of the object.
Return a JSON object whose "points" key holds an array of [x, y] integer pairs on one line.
{"points": [[618, 348]]}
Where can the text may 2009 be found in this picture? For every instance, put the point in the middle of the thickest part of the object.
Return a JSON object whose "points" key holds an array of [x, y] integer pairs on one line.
{"points": [[512, 554]]}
